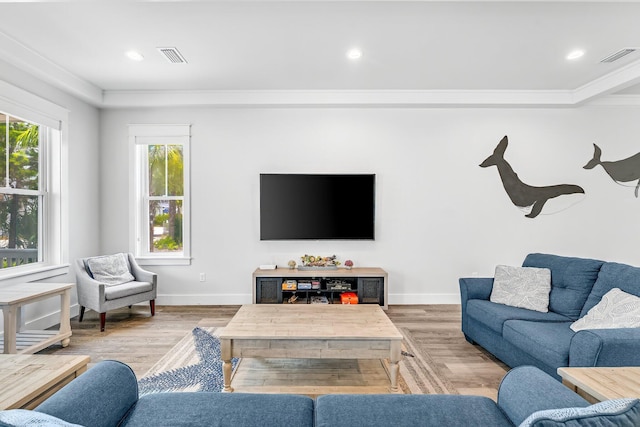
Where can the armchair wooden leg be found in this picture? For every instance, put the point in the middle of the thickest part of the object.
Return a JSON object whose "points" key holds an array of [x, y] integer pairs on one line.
{"points": [[152, 304], [103, 320], [81, 316]]}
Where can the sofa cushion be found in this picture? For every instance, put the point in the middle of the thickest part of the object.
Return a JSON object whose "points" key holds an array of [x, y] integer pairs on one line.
{"points": [[616, 412], [613, 275], [110, 269], [348, 410], [547, 342], [221, 409], [26, 418], [126, 289], [616, 309], [494, 315], [571, 281], [524, 287]]}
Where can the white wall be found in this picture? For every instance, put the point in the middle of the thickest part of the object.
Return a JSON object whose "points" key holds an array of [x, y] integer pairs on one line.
{"points": [[439, 215], [82, 199]]}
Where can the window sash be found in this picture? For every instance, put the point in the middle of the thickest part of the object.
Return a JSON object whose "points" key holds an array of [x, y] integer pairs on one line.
{"points": [[140, 137], [44, 233]]}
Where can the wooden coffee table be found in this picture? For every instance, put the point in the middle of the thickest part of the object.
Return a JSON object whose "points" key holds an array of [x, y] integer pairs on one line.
{"points": [[28, 380], [311, 331], [598, 384]]}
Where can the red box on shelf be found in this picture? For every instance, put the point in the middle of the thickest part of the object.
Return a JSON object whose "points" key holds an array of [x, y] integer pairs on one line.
{"points": [[349, 298]]}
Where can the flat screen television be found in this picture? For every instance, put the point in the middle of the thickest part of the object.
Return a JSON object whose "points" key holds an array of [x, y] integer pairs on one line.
{"points": [[317, 207]]}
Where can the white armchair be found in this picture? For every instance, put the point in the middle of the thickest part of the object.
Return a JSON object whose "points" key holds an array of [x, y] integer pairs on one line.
{"points": [[113, 281]]}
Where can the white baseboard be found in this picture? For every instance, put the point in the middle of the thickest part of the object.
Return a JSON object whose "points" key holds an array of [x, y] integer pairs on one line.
{"points": [[48, 320], [407, 299], [204, 299]]}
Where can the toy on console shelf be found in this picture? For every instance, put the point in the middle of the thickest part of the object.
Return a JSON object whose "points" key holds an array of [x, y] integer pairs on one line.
{"points": [[348, 298], [318, 261]]}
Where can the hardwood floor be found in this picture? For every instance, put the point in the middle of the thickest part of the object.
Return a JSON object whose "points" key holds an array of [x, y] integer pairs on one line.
{"points": [[139, 340]]}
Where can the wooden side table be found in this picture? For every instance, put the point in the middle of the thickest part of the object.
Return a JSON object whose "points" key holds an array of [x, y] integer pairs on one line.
{"points": [[598, 384], [28, 380], [13, 297]]}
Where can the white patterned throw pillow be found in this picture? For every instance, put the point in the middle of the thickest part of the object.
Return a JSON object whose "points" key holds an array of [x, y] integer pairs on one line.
{"points": [[110, 269], [524, 287], [616, 309], [615, 412], [26, 418]]}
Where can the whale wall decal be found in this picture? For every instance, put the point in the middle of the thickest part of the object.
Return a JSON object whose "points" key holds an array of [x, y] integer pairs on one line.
{"points": [[523, 195], [625, 170]]}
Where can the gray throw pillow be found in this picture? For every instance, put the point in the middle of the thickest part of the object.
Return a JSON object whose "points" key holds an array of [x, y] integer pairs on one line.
{"points": [[110, 269], [616, 412], [616, 309], [524, 287]]}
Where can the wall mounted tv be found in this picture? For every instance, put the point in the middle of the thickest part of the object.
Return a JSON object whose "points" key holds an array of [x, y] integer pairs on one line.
{"points": [[317, 207]]}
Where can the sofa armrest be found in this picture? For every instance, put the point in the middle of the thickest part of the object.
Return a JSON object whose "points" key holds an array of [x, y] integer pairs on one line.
{"points": [[605, 347], [526, 389], [90, 291], [473, 288], [141, 274], [100, 397]]}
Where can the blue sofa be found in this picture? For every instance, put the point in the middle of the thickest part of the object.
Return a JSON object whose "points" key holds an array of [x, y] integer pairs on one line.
{"points": [[107, 396], [518, 336]]}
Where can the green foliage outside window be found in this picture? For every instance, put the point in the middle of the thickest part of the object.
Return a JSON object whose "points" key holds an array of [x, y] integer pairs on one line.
{"points": [[19, 174], [166, 179]]}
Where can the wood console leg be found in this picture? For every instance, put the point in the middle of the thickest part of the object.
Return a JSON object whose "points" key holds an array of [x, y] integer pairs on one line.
{"points": [[65, 317], [225, 353], [10, 329], [226, 372], [394, 366]]}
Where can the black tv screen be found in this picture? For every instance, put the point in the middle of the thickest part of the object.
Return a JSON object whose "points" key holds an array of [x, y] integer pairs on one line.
{"points": [[317, 207]]}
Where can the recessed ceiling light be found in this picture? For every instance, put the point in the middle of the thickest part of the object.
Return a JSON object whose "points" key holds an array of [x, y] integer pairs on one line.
{"points": [[575, 54], [354, 53], [134, 55]]}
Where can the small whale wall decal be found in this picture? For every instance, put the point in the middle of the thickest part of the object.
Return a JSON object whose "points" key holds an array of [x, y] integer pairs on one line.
{"points": [[523, 195], [625, 170]]}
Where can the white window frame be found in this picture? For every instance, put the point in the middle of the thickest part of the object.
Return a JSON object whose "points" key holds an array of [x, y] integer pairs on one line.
{"points": [[53, 240], [141, 136]]}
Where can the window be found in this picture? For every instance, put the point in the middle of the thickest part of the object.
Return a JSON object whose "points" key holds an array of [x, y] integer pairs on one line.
{"points": [[161, 154], [32, 243], [21, 195]]}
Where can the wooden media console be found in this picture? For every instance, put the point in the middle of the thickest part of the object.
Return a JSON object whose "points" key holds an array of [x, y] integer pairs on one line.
{"points": [[370, 285]]}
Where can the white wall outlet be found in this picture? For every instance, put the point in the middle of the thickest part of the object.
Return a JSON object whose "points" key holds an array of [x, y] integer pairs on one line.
{"points": [[203, 277]]}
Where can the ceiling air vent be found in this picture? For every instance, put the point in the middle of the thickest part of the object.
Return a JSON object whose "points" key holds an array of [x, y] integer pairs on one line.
{"points": [[619, 54], [172, 55]]}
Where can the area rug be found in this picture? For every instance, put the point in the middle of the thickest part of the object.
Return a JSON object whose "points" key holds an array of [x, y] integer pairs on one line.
{"points": [[194, 364], [420, 371]]}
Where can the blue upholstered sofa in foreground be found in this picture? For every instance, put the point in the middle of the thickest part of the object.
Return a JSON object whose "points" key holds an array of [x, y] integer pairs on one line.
{"points": [[519, 336], [107, 396]]}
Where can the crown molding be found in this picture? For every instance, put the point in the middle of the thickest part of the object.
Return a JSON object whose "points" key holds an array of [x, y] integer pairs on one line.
{"points": [[364, 99], [338, 98], [30, 61], [630, 100], [616, 80]]}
